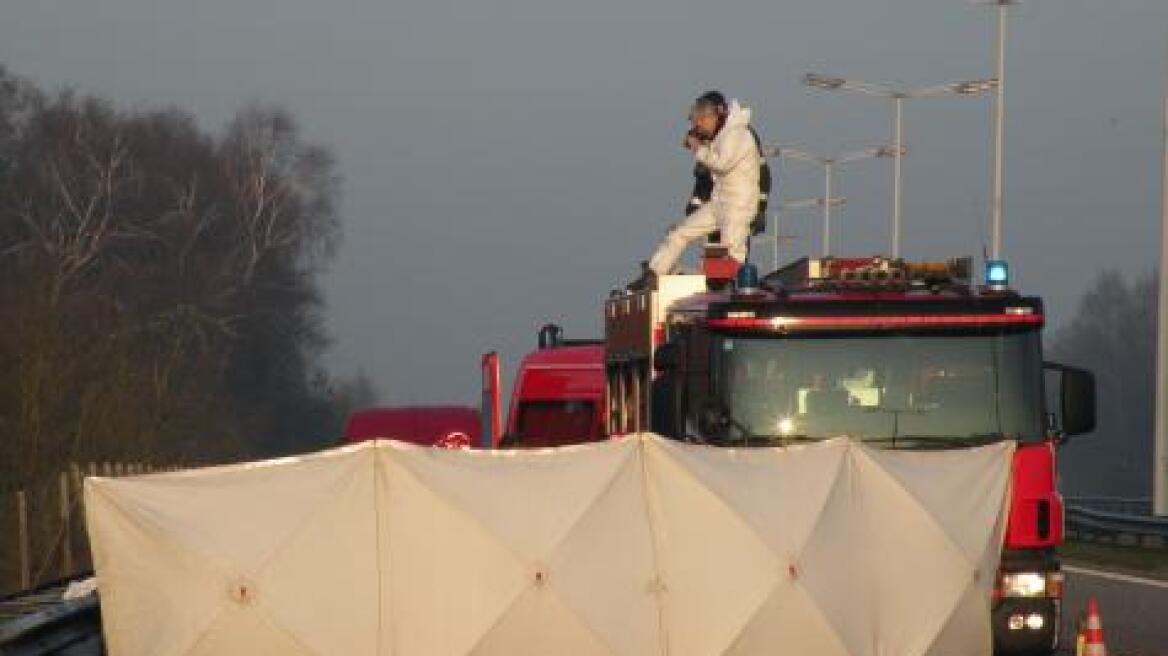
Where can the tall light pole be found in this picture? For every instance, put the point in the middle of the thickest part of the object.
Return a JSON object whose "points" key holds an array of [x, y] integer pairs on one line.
{"points": [[829, 165], [1160, 450], [898, 95], [1002, 7]]}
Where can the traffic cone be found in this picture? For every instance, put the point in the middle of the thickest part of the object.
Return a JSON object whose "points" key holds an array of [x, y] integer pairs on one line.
{"points": [[1093, 637]]}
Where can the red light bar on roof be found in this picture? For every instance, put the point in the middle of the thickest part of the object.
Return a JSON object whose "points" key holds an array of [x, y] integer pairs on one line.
{"points": [[869, 322]]}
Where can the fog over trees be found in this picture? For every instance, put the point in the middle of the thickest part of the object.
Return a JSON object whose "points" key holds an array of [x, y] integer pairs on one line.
{"points": [[159, 294], [1114, 335]]}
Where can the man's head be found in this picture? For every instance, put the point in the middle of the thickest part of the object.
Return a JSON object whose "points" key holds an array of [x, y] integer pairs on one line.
{"points": [[708, 114]]}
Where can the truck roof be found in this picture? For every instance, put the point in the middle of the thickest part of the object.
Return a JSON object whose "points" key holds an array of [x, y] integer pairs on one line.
{"points": [[553, 373], [445, 425], [864, 294], [572, 354]]}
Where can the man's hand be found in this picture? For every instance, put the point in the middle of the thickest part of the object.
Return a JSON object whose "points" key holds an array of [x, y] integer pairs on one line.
{"points": [[692, 141]]}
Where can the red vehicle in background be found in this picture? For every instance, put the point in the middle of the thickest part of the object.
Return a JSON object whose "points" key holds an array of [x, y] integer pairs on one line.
{"points": [[558, 394], [557, 399], [447, 426]]}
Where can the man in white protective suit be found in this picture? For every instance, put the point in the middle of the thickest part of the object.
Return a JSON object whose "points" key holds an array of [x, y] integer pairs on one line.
{"points": [[722, 142]]}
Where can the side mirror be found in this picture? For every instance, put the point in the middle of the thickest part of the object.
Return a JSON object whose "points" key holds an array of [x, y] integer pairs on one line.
{"points": [[1078, 401], [665, 357], [1076, 398]]}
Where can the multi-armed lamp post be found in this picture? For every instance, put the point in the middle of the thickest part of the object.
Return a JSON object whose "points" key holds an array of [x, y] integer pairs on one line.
{"points": [[829, 165], [787, 207], [898, 96]]}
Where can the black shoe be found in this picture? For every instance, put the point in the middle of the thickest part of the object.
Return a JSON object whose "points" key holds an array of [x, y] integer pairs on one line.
{"points": [[647, 280]]}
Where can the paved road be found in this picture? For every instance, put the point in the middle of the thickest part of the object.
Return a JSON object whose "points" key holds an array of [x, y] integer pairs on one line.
{"points": [[1134, 610]]}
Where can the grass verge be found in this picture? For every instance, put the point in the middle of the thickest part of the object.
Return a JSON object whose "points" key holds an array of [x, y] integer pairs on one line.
{"points": [[1152, 563]]}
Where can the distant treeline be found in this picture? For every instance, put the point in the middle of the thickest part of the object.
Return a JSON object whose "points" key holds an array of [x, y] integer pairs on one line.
{"points": [[1114, 335], [159, 294]]}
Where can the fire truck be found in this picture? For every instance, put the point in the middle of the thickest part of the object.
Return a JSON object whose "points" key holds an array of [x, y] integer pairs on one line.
{"points": [[897, 354]]}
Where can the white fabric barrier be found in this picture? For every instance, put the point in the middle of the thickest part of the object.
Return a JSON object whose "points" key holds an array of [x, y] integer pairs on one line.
{"points": [[637, 546]]}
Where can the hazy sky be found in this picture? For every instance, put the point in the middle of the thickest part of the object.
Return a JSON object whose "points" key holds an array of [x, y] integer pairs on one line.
{"points": [[506, 163]]}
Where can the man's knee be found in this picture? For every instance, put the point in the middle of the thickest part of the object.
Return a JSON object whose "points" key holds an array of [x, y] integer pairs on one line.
{"points": [[676, 236], [733, 233], [735, 237]]}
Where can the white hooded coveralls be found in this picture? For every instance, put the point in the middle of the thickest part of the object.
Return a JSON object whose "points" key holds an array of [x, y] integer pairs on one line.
{"points": [[733, 159]]}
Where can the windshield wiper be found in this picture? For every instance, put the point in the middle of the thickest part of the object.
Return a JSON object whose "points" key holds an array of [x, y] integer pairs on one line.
{"points": [[747, 438], [717, 422], [796, 439], [935, 441]]}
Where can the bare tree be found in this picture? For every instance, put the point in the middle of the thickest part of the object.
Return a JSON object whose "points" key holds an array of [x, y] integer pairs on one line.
{"points": [[284, 191], [158, 284], [71, 214]]}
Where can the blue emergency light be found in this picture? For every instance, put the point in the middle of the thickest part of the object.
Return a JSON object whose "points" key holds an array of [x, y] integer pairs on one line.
{"points": [[747, 278], [997, 273]]}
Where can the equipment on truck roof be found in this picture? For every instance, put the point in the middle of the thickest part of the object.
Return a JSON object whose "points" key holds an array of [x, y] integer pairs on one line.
{"points": [[876, 271]]}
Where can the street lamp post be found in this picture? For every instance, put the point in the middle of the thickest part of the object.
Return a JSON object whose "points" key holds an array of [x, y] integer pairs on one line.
{"points": [[898, 96], [829, 165], [1160, 444], [801, 204], [1002, 8], [777, 237], [897, 161]]}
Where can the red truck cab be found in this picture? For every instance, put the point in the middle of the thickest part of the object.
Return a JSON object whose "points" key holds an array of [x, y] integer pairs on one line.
{"points": [[558, 394]]}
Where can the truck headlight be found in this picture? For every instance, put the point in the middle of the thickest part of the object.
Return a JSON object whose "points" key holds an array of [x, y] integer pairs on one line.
{"points": [[1023, 584], [1031, 584]]}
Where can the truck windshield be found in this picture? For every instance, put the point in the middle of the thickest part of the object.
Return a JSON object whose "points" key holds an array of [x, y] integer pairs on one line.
{"points": [[555, 423], [927, 391]]}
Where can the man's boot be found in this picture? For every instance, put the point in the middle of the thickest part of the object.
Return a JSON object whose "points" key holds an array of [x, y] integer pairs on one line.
{"points": [[647, 280]]}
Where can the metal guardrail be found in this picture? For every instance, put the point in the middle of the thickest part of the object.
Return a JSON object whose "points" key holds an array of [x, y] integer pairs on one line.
{"points": [[1115, 515], [1122, 505], [41, 622]]}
